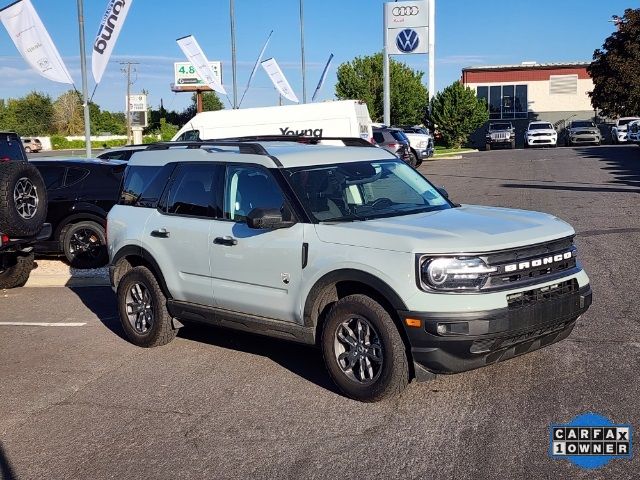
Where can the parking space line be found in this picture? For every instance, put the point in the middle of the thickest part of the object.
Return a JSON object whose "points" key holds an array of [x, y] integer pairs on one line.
{"points": [[41, 324]]}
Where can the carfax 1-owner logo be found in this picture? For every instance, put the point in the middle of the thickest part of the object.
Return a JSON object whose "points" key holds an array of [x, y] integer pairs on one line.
{"points": [[590, 441]]}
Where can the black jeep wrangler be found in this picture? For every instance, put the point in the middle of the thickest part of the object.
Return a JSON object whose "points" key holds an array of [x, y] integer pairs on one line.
{"points": [[23, 209]]}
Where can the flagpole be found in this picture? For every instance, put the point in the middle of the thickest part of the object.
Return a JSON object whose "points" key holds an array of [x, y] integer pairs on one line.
{"points": [[85, 89], [304, 69], [233, 53]]}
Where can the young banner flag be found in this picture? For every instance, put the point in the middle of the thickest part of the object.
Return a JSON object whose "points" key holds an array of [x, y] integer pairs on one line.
{"points": [[323, 77], [33, 41], [195, 55], [107, 37], [279, 80]]}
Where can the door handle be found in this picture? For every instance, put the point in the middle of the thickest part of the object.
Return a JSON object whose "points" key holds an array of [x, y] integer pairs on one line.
{"points": [[161, 233], [228, 241]]}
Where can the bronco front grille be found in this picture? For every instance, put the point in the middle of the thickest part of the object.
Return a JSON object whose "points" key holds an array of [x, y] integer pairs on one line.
{"points": [[532, 264]]}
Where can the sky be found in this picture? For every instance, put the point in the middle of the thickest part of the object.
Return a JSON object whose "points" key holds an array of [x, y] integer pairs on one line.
{"points": [[468, 33]]}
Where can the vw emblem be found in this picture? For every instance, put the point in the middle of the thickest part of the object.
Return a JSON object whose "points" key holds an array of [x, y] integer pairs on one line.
{"points": [[405, 11], [407, 40]]}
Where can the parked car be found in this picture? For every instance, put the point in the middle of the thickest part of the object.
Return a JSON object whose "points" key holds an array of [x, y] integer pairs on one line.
{"points": [[393, 140], [619, 130], [633, 132], [580, 132], [500, 134], [31, 145], [121, 153], [540, 134], [347, 248], [420, 142], [81, 193], [23, 209]]}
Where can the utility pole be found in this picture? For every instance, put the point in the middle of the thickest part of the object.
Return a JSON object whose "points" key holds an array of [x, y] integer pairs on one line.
{"points": [[127, 69], [233, 53], [304, 69], [85, 89]]}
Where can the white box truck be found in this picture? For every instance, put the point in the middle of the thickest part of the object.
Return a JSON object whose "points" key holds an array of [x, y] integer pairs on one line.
{"points": [[345, 118]]}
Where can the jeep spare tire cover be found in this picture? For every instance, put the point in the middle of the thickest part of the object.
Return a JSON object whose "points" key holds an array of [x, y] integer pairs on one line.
{"points": [[23, 199]]}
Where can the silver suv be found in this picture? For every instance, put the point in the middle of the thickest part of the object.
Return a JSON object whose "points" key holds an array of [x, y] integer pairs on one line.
{"points": [[343, 247]]}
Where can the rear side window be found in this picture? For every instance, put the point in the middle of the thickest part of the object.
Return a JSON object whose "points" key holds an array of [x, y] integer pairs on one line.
{"points": [[194, 191], [53, 176], [378, 137], [75, 175], [121, 155], [11, 148], [400, 136], [190, 136], [143, 185]]}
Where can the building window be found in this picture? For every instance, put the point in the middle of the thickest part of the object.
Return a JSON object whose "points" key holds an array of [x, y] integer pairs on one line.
{"points": [[505, 101]]}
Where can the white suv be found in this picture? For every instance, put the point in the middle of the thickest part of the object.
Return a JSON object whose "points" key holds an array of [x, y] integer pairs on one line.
{"points": [[619, 130], [347, 248], [540, 134]]}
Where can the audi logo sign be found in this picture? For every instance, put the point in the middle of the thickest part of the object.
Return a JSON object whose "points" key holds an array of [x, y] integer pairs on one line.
{"points": [[405, 11]]}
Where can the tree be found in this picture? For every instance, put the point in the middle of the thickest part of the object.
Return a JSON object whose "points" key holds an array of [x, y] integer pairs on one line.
{"points": [[457, 112], [30, 115], [68, 116], [615, 69], [210, 103], [361, 79]]}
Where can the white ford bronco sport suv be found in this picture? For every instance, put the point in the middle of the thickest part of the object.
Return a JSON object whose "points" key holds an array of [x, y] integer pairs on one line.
{"points": [[344, 247]]}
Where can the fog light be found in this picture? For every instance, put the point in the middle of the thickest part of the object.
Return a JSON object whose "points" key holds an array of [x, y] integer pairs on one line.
{"points": [[442, 329], [454, 328]]}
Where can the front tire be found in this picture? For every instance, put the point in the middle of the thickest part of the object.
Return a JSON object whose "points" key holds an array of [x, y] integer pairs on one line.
{"points": [[487, 147], [143, 309], [413, 160], [15, 270], [85, 245], [363, 350]]}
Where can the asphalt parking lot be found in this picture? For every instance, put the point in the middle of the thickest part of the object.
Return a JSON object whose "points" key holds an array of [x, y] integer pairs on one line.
{"points": [[81, 402]]}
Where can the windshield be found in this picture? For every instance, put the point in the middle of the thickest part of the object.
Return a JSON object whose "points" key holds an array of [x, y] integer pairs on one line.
{"points": [[500, 126], [540, 126], [582, 125], [626, 121], [364, 190]]}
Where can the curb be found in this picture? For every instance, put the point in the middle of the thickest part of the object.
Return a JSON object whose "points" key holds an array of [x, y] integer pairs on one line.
{"points": [[55, 273]]}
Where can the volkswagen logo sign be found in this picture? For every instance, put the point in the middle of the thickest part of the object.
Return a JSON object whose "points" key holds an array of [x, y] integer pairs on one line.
{"points": [[405, 11], [407, 40]]}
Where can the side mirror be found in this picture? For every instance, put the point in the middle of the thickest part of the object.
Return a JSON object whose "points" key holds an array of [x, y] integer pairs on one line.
{"points": [[267, 219], [443, 191]]}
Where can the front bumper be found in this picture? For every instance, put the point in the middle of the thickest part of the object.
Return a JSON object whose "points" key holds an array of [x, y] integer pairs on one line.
{"points": [[476, 339], [586, 138], [541, 140]]}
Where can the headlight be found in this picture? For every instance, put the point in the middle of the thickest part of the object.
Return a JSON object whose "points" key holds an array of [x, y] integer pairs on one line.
{"points": [[450, 273]]}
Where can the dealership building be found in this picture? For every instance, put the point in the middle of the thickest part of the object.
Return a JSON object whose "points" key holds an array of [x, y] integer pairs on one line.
{"points": [[552, 92]]}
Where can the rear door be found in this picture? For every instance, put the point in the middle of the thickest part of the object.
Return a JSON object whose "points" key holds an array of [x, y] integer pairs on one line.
{"points": [[178, 232], [257, 272]]}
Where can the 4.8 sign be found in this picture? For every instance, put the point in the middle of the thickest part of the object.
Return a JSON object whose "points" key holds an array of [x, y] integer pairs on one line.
{"points": [[185, 74]]}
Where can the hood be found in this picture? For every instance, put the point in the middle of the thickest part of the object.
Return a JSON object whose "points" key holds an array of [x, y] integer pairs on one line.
{"points": [[584, 130], [466, 229]]}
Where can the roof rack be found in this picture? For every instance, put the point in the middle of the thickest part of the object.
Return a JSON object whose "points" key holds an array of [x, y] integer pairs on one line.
{"points": [[348, 141], [243, 147]]}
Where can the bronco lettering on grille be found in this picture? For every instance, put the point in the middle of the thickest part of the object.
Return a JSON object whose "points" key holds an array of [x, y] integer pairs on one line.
{"points": [[538, 262]]}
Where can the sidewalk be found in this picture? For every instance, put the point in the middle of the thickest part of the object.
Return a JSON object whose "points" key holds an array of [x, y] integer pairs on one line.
{"points": [[56, 273]]}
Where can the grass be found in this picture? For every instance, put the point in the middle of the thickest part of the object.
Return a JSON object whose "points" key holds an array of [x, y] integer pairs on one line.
{"points": [[441, 151]]}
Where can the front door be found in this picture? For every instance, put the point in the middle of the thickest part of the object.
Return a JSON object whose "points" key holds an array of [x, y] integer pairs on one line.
{"points": [[258, 272]]}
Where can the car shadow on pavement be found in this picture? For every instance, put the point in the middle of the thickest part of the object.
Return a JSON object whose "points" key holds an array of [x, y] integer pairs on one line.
{"points": [[302, 360], [6, 471]]}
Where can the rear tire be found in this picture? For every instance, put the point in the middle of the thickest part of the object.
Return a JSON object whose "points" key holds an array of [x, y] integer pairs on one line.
{"points": [[143, 309], [85, 245], [16, 271], [363, 350], [23, 199]]}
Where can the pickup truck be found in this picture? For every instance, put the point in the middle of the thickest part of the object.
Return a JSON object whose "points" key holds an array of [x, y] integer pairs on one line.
{"points": [[420, 141], [23, 209]]}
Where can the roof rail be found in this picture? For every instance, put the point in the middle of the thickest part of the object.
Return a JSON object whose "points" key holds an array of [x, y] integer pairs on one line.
{"points": [[348, 141], [243, 147]]}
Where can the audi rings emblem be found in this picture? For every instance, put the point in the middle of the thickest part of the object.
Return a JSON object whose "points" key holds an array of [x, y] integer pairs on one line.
{"points": [[405, 11]]}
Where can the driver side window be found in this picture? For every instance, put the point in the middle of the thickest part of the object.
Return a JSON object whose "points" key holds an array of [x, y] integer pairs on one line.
{"points": [[249, 187]]}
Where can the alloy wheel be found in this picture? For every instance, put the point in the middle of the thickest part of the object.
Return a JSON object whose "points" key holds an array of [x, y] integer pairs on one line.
{"points": [[85, 243], [25, 196], [358, 350], [140, 308]]}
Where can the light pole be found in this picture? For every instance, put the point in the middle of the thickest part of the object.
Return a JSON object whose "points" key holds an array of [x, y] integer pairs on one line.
{"points": [[304, 69], [85, 90], [233, 52]]}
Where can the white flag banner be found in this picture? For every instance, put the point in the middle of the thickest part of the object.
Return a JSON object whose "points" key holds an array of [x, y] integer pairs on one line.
{"points": [[107, 37], [279, 80], [33, 41], [196, 56], [323, 77]]}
